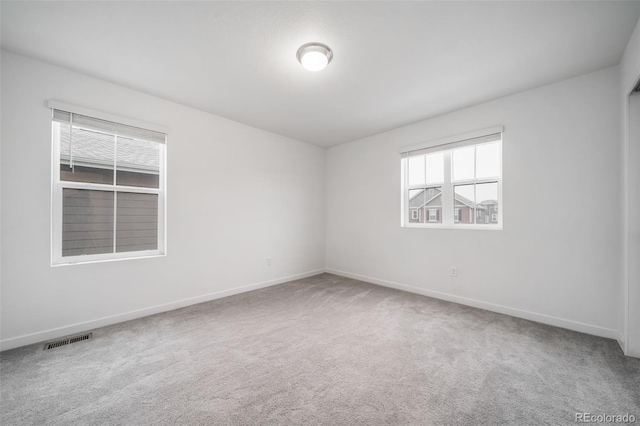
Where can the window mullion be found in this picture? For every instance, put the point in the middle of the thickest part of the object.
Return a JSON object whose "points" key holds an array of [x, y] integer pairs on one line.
{"points": [[500, 206], [464, 182], [447, 190], [115, 193], [424, 185], [405, 192], [475, 205], [56, 217], [115, 159], [475, 180], [162, 200], [115, 218], [103, 187], [486, 180]]}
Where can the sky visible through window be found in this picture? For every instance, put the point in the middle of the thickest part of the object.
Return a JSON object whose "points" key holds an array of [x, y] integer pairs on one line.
{"points": [[483, 192], [478, 161]]}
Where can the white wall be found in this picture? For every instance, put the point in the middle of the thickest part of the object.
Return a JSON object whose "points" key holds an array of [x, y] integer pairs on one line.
{"points": [[630, 63], [236, 195], [557, 259], [630, 300]]}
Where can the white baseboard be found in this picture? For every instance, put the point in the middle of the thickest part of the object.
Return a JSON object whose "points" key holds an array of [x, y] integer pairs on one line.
{"points": [[532, 316], [620, 340], [55, 333], [28, 339]]}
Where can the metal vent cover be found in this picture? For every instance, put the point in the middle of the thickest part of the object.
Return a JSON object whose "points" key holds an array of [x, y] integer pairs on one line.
{"points": [[67, 341]]}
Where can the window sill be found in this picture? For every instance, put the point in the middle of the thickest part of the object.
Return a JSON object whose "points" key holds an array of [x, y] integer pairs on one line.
{"points": [[82, 260], [456, 226]]}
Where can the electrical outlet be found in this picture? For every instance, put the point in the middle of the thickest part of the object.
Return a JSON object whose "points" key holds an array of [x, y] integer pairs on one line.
{"points": [[454, 271], [268, 261]]}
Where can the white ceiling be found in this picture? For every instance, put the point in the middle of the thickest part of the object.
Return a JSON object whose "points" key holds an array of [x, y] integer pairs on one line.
{"points": [[394, 62]]}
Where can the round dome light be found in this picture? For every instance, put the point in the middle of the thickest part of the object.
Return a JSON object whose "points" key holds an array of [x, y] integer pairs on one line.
{"points": [[314, 56]]}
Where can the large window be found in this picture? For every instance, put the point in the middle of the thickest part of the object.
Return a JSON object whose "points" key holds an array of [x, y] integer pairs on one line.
{"points": [[454, 183], [108, 189]]}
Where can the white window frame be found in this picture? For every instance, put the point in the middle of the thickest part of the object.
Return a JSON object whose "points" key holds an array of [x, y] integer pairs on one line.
{"points": [[446, 146], [58, 186]]}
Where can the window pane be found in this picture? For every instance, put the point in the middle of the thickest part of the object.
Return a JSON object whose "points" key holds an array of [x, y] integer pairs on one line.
{"points": [[487, 208], [87, 222], [435, 167], [488, 160], [416, 170], [464, 197], [85, 156], [137, 222], [416, 204], [433, 205], [137, 163], [463, 163]]}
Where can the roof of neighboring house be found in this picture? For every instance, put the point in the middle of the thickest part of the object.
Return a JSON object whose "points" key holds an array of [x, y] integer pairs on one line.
{"points": [[459, 198], [416, 202], [96, 149]]}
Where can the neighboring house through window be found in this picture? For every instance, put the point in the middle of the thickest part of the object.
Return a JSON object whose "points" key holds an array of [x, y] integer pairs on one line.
{"points": [[108, 189], [457, 181]]}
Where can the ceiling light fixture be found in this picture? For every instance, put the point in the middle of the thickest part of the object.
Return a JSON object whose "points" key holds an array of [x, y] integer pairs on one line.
{"points": [[314, 56]]}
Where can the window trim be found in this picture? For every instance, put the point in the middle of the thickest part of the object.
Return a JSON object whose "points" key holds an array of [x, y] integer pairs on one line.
{"points": [[63, 106], [57, 187], [446, 146], [451, 142]]}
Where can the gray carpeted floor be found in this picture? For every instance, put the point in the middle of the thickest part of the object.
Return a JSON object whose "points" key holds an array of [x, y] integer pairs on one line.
{"points": [[323, 350]]}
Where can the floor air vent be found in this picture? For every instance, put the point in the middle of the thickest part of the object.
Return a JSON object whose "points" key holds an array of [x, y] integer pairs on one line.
{"points": [[67, 341]]}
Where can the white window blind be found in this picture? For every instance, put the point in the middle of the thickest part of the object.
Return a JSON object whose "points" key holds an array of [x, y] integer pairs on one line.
{"points": [[98, 125], [417, 150]]}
